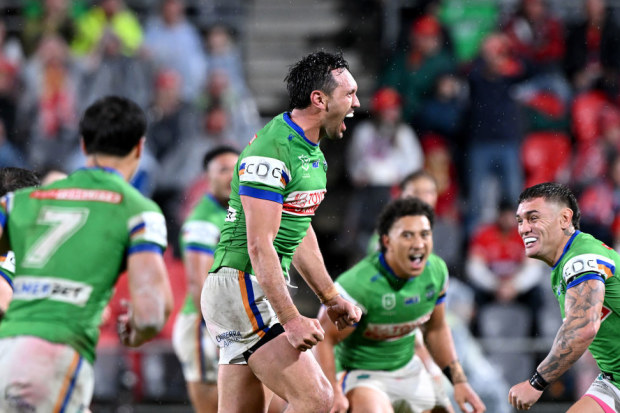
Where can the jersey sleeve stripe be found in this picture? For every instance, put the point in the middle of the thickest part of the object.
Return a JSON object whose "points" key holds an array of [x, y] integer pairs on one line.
{"points": [[145, 248], [440, 299], [198, 248], [260, 194], [589, 276], [140, 227], [2, 218], [607, 267], [7, 278]]}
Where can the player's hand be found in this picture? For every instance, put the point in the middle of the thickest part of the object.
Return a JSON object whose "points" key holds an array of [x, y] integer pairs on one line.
{"points": [[342, 312], [341, 403], [464, 395], [522, 396], [124, 329], [303, 333]]}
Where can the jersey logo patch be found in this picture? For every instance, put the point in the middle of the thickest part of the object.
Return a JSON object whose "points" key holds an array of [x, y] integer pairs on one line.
{"points": [[388, 301], [78, 194], [587, 263], [231, 214], [303, 202], [35, 288], [268, 171]]}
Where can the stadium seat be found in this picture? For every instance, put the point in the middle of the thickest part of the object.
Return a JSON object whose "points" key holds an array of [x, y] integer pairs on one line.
{"points": [[545, 157], [585, 114]]}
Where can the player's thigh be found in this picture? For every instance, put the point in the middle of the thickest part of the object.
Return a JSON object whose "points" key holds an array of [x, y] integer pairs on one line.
{"points": [[588, 405], [240, 391], [293, 375], [366, 399], [203, 396], [195, 348], [38, 375]]}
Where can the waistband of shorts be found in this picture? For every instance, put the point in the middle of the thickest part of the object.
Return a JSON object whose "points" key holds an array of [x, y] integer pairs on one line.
{"points": [[229, 272]]}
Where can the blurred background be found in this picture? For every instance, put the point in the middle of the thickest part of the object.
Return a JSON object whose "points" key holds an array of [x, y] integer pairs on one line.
{"points": [[488, 96]]}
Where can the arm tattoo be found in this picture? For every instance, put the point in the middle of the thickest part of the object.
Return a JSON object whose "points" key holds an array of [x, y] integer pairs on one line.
{"points": [[583, 305]]}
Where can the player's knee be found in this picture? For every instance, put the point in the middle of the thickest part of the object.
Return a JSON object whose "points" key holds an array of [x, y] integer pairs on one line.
{"points": [[320, 399]]}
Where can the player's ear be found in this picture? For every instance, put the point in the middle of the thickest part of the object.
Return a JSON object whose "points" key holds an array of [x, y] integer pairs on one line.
{"points": [[319, 99], [83, 146], [566, 218], [140, 146], [384, 240]]}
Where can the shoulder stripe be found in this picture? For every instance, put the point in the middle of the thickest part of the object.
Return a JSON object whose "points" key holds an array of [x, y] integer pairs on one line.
{"points": [[260, 194]]}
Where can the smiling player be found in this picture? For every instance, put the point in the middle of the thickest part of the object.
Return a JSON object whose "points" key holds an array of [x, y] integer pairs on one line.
{"points": [[585, 281], [400, 288]]}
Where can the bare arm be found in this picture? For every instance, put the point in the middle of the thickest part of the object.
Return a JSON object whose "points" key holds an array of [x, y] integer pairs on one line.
{"points": [[324, 352], [6, 293], [197, 265], [439, 343], [583, 305], [309, 262], [151, 298]]}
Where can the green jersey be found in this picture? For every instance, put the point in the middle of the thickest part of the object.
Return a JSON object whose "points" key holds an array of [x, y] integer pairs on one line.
{"points": [[280, 165], [392, 309], [586, 258], [71, 240], [201, 233]]}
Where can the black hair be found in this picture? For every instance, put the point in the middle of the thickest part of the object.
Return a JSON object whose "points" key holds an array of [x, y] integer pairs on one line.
{"points": [[215, 152], [399, 208], [113, 125], [414, 176], [554, 192], [15, 178], [312, 72]]}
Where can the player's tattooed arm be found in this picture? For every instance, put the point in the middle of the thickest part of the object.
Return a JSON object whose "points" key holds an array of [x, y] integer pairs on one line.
{"points": [[583, 305]]}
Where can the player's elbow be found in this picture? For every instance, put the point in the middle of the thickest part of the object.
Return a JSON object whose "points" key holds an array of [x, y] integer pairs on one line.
{"points": [[588, 332]]}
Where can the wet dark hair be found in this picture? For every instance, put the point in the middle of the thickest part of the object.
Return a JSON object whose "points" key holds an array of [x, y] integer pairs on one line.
{"points": [[215, 152], [414, 176], [554, 192], [12, 179], [113, 125], [399, 208], [312, 72]]}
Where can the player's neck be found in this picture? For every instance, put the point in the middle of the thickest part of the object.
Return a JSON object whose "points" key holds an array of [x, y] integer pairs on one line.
{"points": [[124, 166], [309, 121]]}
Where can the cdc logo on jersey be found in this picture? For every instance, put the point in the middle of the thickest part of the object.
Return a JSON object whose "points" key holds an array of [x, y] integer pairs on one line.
{"points": [[268, 171]]}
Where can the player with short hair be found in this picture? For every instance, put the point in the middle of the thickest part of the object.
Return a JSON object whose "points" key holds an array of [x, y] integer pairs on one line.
{"points": [[279, 183], [11, 179], [71, 240], [584, 278], [400, 288], [199, 236]]}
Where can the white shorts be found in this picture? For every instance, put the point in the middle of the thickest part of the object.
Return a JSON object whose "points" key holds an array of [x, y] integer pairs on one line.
{"points": [[409, 389], [237, 313], [195, 349], [39, 376], [605, 394]]}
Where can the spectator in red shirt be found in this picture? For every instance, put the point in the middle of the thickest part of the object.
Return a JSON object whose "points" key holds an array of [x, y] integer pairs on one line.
{"points": [[497, 268]]}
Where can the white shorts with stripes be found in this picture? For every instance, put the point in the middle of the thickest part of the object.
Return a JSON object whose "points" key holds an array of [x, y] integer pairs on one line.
{"points": [[409, 389], [195, 348], [39, 376], [605, 394], [236, 312]]}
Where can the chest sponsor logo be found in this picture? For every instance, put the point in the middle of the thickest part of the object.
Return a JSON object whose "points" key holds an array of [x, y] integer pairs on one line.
{"points": [[605, 312], [388, 301], [29, 288], [78, 194], [303, 202], [412, 300], [389, 332]]}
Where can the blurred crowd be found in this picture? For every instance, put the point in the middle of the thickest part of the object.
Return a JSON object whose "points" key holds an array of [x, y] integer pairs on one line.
{"points": [[486, 102]]}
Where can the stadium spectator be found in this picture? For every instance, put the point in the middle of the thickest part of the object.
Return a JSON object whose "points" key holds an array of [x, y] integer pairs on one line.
{"points": [[163, 36]]}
